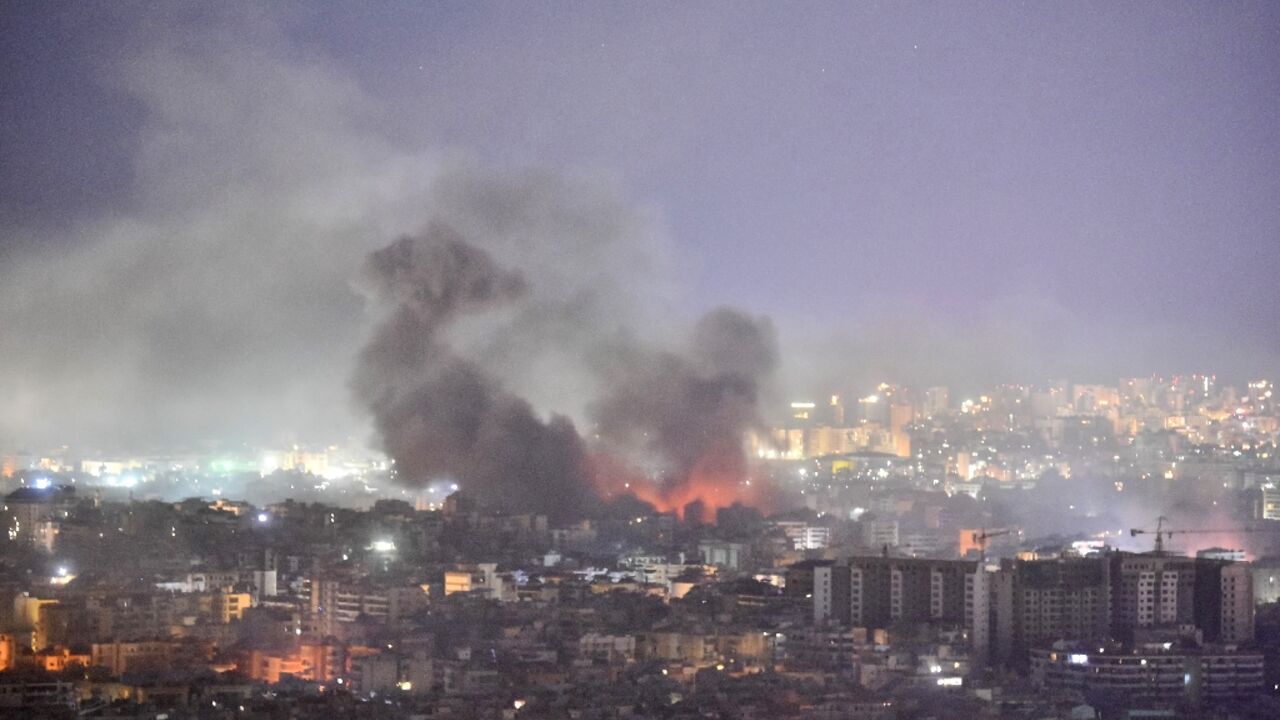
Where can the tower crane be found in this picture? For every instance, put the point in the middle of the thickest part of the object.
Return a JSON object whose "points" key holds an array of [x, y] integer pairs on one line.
{"points": [[980, 539], [1161, 533]]}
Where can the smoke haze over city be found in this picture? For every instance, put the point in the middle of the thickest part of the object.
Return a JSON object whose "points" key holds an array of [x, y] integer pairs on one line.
{"points": [[639, 360], [923, 195]]}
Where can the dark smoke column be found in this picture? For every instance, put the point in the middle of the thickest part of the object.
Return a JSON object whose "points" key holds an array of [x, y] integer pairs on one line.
{"points": [[439, 415], [691, 411]]}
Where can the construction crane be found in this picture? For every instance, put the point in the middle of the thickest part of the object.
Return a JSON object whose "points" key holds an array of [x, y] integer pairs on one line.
{"points": [[1161, 533], [980, 539]]}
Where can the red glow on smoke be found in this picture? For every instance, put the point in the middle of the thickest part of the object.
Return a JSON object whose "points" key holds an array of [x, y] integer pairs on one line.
{"points": [[719, 479], [1190, 544], [1212, 528]]}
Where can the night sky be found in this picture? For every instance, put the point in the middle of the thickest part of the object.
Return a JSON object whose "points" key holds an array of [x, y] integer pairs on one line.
{"points": [[960, 193]]}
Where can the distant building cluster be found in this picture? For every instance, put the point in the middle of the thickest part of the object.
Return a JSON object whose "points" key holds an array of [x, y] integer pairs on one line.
{"points": [[1071, 552]]}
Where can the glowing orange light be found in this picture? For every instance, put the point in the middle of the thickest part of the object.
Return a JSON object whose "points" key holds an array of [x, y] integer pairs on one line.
{"points": [[718, 480]]}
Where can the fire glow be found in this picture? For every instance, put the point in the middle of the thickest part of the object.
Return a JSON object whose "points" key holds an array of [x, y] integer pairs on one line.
{"points": [[719, 479]]}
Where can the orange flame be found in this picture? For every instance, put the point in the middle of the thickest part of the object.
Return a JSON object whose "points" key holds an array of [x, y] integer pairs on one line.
{"points": [[719, 479]]}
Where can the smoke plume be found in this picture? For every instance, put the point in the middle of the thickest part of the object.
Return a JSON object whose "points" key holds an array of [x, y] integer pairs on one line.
{"points": [[686, 416], [670, 424], [213, 305], [438, 414]]}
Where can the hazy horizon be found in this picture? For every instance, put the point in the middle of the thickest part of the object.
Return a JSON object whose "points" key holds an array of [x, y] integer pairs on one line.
{"points": [[963, 195]]}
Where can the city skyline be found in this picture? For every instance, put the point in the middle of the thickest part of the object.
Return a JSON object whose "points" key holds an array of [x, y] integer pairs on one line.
{"points": [[639, 361]]}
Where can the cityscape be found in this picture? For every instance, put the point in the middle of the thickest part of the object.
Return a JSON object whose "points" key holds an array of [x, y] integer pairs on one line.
{"points": [[639, 361], [1036, 549]]}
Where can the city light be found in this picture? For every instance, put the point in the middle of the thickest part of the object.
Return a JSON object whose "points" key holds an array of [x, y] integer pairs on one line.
{"points": [[288, 281]]}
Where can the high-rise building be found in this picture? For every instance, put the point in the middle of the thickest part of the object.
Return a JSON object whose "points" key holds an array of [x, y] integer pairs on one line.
{"points": [[936, 401], [1260, 400], [1119, 596], [874, 408], [1149, 590], [1269, 504], [835, 411], [1038, 602], [1094, 399], [901, 415], [876, 592], [803, 413], [1159, 672], [1236, 604], [880, 532], [1266, 580], [28, 508]]}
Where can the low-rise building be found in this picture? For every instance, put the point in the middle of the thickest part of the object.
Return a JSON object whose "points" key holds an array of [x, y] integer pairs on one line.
{"points": [[1160, 673]]}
